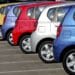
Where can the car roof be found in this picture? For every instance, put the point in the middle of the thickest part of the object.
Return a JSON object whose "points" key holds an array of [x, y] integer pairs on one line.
{"points": [[6, 4], [37, 3], [69, 3], [15, 5]]}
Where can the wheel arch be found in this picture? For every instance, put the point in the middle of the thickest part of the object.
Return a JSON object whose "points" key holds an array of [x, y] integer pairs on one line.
{"points": [[7, 32], [44, 39], [22, 36], [66, 50]]}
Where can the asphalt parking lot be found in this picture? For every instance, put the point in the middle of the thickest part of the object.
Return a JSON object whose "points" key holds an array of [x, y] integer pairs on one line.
{"points": [[14, 62]]}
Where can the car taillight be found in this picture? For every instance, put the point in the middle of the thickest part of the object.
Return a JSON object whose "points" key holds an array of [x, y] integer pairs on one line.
{"points": [[59, 30], [16, 23], [35, 25]]}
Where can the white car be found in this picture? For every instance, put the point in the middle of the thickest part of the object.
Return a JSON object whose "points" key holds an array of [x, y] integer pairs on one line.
{"points": [[42, 38]]}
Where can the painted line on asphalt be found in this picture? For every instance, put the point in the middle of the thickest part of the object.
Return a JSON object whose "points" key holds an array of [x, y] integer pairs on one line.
{"points": [[27, 55], [16, 62], [34, 70], [13, 50]]}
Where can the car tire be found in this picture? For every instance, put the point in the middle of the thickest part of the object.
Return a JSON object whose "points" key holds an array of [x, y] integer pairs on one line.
{"points": [[69, 62], [48, 53], [9, 38], [25, 44]]}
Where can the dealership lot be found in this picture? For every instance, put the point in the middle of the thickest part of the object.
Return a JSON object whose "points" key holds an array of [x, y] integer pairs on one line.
{"points": [[14, 62]]}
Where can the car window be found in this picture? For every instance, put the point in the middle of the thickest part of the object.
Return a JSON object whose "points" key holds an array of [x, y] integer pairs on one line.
{"points": [[16, 11], [2, 9], [74, 16], [57, 14], [51, 13], [70, 17], [35, 12], [5, 11], [30, 13], [38, 11], [61, 12]]}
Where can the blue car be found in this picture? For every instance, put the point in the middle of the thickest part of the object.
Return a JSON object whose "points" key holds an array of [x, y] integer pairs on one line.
{"points": [[10, 23], [4, 10], [64, 45]]}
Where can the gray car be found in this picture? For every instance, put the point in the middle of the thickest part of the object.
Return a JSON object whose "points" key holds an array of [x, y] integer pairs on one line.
{"points": [[42, 38]]}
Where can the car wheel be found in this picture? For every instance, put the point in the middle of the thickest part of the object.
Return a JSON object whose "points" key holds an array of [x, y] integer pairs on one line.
{"points": [[45, 51], [9, 38], [69, 62], [25, 44]]}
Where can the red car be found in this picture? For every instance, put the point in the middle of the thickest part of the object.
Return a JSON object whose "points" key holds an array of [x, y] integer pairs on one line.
{"points": [[27, 22]]}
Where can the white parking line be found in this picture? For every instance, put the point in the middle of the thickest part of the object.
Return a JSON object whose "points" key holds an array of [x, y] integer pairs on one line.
{"points": [[35, 70], [29, 55], [10, 50], [16, 62]]}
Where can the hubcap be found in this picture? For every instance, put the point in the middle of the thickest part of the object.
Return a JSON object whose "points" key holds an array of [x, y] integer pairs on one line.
{"points": [[47, 52], [70, 62], [10, 38], [26, 44]]}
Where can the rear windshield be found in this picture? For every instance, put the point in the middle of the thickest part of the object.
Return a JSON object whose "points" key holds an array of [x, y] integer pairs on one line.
{"points": [[16, 11]]}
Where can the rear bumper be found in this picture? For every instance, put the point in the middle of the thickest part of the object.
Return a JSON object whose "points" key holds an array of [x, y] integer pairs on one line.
{"points": [[15, 37], [1, 36]]}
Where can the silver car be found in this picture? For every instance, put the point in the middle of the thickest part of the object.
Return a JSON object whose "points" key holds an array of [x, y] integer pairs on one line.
{"points": [[42, 38]]}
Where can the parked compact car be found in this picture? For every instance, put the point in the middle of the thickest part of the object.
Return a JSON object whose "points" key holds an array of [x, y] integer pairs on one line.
{"points": [[64, 45], [27, 23], [9, 22], [3, 12], [2, 9], [44, 35]]}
